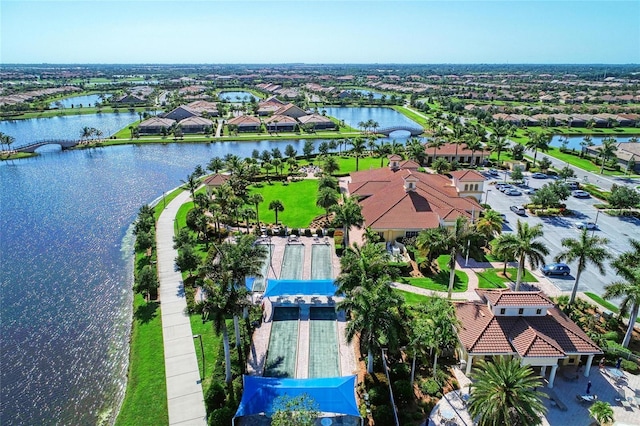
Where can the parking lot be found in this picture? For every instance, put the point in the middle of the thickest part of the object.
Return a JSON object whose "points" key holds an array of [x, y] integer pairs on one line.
{"points": [[617, 229]]}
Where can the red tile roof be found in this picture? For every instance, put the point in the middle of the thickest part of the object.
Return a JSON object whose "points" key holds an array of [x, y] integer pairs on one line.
{"points": [[216, 179], [515, 298], [245, 120], [388, 205], [468, 176], [450, 149], [551, 335]]}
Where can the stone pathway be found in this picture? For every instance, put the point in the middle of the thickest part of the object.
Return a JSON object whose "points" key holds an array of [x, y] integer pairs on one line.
{"points": [[184, 390]]}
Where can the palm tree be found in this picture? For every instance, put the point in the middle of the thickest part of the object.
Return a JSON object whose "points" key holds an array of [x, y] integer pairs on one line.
{"points": [[255, 199], [473, 143], [381, 151], [490, 223], [497, 144], [416, 151], [215, 165], [607, 151], [191, 184], [216, 306], [327, 198], [628, 287], [586, 249], [523, 246], [436, 324], [358, 146], [435, 143], [586, 142], [602, 412], [504, 394], [373, 311], [276, 206], [538, 141], [348, 214], [330, 165], [453, 241], [362, 264]]}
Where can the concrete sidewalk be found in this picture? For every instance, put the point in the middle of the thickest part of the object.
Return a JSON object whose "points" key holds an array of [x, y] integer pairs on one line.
{"points": [[184, 391]]}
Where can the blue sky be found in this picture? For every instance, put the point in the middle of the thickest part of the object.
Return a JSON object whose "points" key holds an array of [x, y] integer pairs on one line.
{"points": [[348, 31]]}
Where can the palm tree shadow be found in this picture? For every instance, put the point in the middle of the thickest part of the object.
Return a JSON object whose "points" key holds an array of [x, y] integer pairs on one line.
{"points": [[272, 369], [147, 312]]}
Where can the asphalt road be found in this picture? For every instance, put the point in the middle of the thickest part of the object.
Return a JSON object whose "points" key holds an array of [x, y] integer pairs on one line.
{"points": [[617, 230]]}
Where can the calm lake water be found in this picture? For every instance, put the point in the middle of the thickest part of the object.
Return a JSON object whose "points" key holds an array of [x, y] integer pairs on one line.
{"points": [[238, 96], [78, 101], [386, 117], [574, 141], [65, 287], [365, 93], [64, 127]]}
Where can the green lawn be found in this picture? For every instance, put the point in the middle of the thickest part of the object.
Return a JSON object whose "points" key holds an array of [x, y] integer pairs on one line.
{"points": [[211, 344], [490, 278], [440, 282], [145, 401], [298, 199], [412, 298]]}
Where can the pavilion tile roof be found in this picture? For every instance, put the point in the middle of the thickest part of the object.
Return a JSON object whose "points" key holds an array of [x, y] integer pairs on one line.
{"points": [[515, 298], [216, 179], [550, 335]]}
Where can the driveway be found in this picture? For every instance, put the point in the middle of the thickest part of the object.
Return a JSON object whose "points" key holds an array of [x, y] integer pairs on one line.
{"points": [[617, 230]]}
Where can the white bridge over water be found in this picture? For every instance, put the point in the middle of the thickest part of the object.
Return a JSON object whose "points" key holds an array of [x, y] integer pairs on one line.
{"points": [[64, 144], [415, 131]]}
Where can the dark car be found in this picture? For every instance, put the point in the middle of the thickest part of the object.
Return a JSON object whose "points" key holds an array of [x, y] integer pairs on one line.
{"points": [[556, 269]]}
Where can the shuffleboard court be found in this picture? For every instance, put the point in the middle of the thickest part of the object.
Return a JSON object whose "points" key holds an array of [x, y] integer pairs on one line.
{"points": [[283, 343], [292, 262], [323, 343], [259, 283], [321, 268]]}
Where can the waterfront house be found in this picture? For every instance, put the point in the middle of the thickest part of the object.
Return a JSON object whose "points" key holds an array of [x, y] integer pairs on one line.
{"points": [[245, 123], [280, 123], [195, 124], [154, 125], [181, 112], [317, 122], [202, 107]]}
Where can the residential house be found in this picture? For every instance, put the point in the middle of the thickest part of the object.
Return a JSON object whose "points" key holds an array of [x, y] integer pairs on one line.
{"points": [[280, 123], [269, 106], [290, 110], [202, 107], [245, 123], [627, 153], [195, 124], [180, 113], [448, 152], [399, 201], [154, 125], [318, 122], [526, 325]]}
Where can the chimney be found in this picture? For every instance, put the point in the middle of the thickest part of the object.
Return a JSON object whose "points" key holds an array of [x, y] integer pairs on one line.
{"points": [[410, 183]]}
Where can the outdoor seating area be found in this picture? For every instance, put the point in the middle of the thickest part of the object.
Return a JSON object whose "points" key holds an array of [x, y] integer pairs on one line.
{"points": [[451, 410]]}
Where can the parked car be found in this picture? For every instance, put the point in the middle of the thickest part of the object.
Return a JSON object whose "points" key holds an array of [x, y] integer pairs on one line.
{"points": [[586, 225], [518, 210], [538, 175], [493, 172], [512, 192], [529, 191], [504, 187], [579, 193], [573, 185], [556, 269]]}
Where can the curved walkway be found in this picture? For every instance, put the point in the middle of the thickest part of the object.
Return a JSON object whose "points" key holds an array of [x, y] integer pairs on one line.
{"points": [[184, 390]]}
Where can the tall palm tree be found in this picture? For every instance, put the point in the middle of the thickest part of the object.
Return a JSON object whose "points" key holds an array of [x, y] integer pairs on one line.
{"points": [[215, 165], [360, 264], [523, 245], [503, 394], [586, 142], [490, 223], [191, 184], [216, 306], [330, 165], [437, 327], [435, 143], [416, 151], [607, 151], [452, 241], [327, 198], [585, 249], [628, 287], [348, 214], [374, 316], [276, 206], [538, 141], [381, 151], [255, 199], [497, 144], [358, 146], [473, 143]]}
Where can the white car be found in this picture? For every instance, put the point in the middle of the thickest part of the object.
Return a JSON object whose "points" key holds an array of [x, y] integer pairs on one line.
{"points": [[586, 225]]}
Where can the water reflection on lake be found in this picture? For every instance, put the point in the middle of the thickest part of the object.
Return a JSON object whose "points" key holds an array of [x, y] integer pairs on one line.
{"points": [[78, 101]]}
